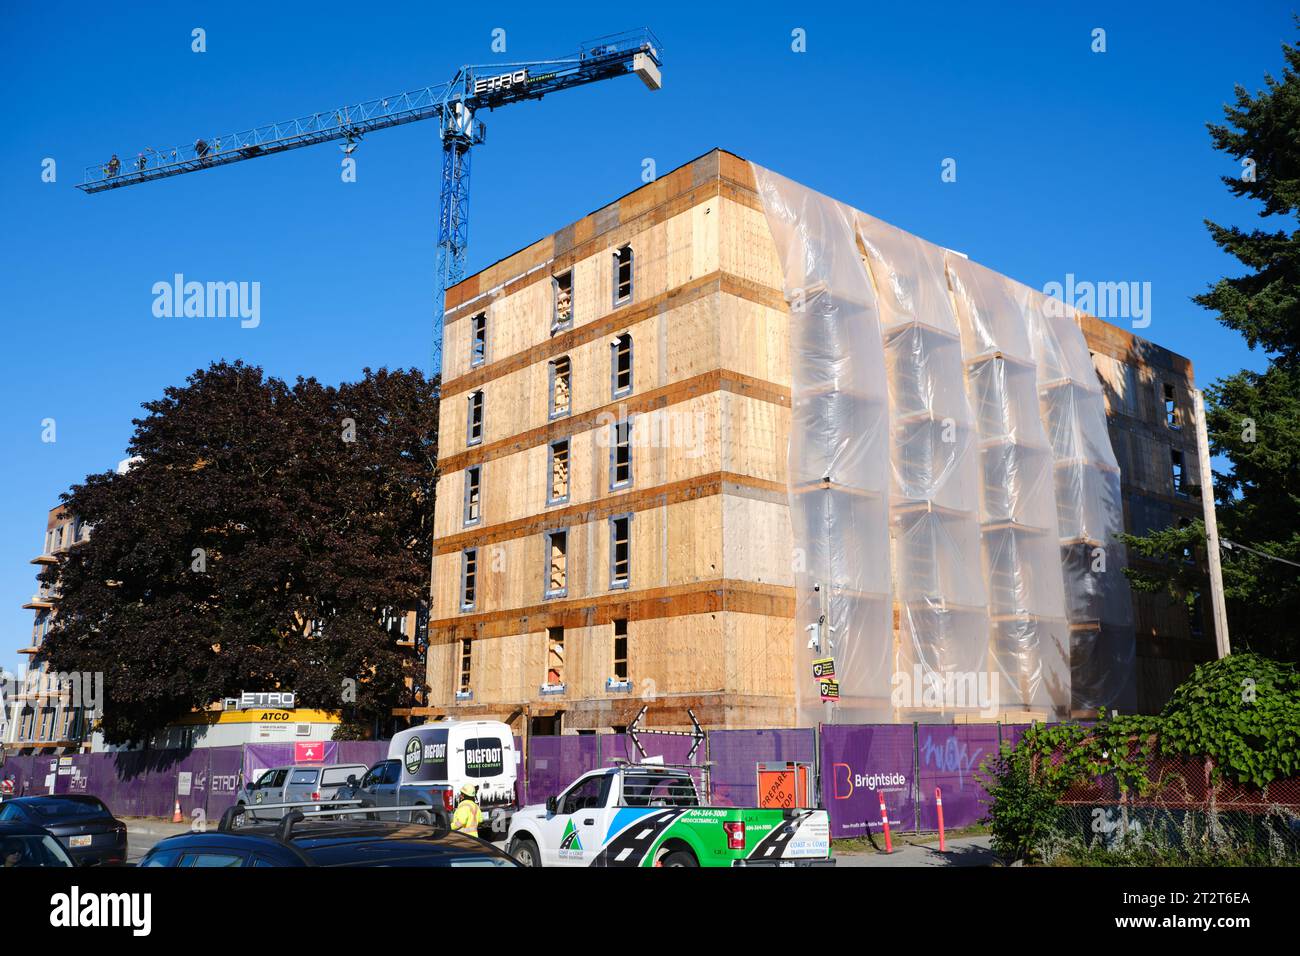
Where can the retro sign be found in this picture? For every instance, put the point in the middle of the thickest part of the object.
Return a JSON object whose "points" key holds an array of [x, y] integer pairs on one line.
{"points": [[261, 700], [502, 81]]}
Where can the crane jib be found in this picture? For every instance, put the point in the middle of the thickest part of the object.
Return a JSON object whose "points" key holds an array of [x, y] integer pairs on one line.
{"points": [[635, 52], [453, 104]]}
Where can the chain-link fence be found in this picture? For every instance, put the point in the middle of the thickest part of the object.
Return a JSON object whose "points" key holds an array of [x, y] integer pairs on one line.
{"points": [[1182, 813]]}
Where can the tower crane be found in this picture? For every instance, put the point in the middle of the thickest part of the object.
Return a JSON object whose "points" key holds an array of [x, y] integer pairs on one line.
{"points": [[454, 104]]}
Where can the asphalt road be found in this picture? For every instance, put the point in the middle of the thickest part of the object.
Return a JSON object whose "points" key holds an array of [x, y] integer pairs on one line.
{"points": [[964, 851], [143, 833]]}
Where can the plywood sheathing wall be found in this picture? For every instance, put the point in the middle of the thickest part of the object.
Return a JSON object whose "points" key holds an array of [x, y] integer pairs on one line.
{"points": [[709, 615]]}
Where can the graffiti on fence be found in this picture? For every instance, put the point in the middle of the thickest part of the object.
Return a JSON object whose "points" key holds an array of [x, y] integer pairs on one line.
{"points": [[950, 755]]}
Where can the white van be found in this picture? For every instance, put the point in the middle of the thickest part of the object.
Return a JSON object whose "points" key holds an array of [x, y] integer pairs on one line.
{"points": [[427, 766]]}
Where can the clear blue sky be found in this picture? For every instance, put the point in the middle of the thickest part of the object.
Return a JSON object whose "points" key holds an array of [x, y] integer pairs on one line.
{"points": [[1068, 161]]}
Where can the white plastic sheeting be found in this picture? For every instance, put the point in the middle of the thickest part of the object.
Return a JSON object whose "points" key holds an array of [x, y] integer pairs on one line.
{"points": [[1089, 508], [839, 458], [949, 461], [1021, 534], [934, 500]]}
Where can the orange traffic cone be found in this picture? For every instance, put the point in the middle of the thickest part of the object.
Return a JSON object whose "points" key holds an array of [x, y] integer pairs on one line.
{"points": [[176, 813]]}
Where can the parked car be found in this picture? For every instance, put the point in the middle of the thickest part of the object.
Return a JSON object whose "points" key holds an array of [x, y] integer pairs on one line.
{"points": [[650, 815], [24, 845], [296, 783], [80, 822], [428, 765], [333, 842]]}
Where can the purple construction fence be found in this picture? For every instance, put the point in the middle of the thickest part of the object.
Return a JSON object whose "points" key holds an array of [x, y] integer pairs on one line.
{"points": [[949, 758], [858, 763], [1011, 733], [259, 757], [22, 770], [368, 752], [906, 762], [555, 762], [137, 783], [736, 755], [223, 780], [150, 783]]}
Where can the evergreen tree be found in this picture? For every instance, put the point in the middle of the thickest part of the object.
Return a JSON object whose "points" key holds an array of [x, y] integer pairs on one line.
{"points": [[1253, 418]]}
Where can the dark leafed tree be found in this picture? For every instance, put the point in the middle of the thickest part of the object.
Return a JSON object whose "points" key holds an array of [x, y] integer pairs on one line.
{"points": [[1253, 418], [263, 540]]}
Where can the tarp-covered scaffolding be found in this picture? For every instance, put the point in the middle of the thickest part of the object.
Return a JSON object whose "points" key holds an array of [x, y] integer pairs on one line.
{"points": [[954, 497]]}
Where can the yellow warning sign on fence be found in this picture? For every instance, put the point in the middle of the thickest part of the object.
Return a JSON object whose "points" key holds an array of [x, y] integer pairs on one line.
{"points": [[825, 667]]}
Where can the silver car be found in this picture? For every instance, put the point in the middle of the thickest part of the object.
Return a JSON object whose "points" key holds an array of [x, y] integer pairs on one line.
{"points": [[299, 783]]}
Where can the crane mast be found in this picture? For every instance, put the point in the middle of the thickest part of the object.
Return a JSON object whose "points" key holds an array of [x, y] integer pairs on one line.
{"points": [[455, 104]]}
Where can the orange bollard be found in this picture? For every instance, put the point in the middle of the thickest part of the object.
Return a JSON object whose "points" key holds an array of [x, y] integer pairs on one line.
{"points": [[884, 820], [938, 802]]}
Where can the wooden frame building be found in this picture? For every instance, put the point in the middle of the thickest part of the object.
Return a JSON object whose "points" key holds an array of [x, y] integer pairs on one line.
{"points": [[612, 525]]}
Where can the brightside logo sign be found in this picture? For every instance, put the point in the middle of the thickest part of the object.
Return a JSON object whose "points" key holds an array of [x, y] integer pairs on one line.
{"points": [[864, 762], [871, 781]]}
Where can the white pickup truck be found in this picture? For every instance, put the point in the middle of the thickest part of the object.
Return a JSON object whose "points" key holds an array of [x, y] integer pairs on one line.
{"points": [[643, 815]]}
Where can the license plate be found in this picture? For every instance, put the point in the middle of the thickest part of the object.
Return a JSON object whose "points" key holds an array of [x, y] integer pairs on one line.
{"points": [[80, 841]]}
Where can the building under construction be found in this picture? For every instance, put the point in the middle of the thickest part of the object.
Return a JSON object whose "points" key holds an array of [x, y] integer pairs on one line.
{"points": [[726, 433]]}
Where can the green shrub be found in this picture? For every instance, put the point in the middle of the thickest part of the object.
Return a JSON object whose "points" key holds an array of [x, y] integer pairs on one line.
{"points": [[1242, 712], [1022, 811]]}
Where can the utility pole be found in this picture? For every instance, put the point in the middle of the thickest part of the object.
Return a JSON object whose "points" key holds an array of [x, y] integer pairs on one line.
{"points": [[1211, 529], [821, 644]]}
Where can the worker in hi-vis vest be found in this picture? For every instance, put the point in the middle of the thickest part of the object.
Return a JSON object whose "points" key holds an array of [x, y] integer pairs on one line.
{"points": [[467, 815]]}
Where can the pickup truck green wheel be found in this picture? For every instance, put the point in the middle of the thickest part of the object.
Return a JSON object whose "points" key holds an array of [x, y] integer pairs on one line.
{"points": [[681, 858]]}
